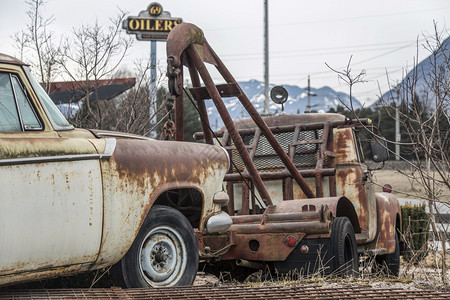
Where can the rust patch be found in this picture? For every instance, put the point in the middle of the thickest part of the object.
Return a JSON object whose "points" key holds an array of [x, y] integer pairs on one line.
{"points": [[180, 38], [166, 161], [388, 208], [43, 147], [271, 247], [47, 272], [349, 184], [344, 146]]}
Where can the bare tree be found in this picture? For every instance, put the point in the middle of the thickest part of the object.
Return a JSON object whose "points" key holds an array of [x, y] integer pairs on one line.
{"points": [[135, 111], [88, 54], [423, 103], [345, 75], [40, 41], [94, 53], [424, 113], [21, 40], [131, 111]]}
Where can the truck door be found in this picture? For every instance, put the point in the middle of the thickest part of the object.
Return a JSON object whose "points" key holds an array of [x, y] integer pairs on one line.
{"points": [[352, 182], [50, 191]]}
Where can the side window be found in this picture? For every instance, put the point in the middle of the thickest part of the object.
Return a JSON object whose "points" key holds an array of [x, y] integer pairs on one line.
{"points": [[16, 112], [359, 149], [29, 119], [9, 116], [55, 115]]}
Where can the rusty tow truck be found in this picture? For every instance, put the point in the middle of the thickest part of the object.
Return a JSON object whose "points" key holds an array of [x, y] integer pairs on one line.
{"points": [[300, 195], [73, 200]]}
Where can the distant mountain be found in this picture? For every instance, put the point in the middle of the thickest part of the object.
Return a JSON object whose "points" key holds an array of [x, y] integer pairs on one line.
{"points": [[423, 71], [324, 99]]}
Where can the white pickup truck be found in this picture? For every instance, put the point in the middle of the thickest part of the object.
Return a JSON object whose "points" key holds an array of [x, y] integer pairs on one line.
{"points": [[73, 200]]}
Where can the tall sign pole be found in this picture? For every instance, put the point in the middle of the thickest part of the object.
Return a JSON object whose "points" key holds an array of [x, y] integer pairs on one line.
{"points": [[153, 24], [266, 57], [153, 90]]}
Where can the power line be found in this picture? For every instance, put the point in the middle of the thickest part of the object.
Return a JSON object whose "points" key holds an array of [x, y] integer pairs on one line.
{"points": [[374, 45], [353, 64], [333, 20], [381, 55], [331, 74], [374, 57], [312, 54], [344, 66]]}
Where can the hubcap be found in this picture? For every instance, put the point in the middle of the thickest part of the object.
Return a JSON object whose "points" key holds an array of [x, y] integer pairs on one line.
{"points": [[163, 256]]}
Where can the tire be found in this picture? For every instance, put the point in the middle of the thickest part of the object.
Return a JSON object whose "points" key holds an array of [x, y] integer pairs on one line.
{"points": [[389, 264], [164, 253], [344, 261]]}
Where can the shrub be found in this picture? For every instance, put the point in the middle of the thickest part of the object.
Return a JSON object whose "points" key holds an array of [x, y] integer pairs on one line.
{"points": [[415, 230]]}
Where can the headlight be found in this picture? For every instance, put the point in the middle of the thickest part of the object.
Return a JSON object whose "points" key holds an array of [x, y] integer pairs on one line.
{"points": [[218, 223]]}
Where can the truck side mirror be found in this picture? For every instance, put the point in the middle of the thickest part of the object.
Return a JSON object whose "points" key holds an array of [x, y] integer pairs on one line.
{"points": [[379, 150]]}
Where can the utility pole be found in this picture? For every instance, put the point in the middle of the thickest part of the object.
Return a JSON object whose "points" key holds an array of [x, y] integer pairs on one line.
{"points": [[308, 89], [397, 126], [266, 57]]}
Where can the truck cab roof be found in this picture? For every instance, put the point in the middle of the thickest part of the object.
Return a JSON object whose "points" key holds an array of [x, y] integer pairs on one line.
{"points": [[10, 60]]}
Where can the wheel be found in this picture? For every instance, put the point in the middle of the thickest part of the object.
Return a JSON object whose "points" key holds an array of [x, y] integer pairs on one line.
{"points": [[164, 253], [389, 264], [343, 246]]}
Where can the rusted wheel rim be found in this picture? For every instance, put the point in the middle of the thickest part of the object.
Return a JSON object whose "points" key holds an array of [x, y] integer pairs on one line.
{"points": [[163, 256]]}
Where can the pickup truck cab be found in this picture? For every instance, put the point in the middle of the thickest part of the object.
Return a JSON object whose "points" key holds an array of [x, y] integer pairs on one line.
{"points": [[74, 200]]}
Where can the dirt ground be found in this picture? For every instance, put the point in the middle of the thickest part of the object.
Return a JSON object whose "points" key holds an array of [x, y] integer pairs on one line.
{"points": [[402, 186]]}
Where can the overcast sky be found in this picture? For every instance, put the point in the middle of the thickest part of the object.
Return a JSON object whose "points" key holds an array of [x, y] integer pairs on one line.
{"points": [[304, 35]]}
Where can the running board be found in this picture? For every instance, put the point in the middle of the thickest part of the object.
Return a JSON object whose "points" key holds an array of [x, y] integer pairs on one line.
{"points": [[372, 252], [362, 237]]}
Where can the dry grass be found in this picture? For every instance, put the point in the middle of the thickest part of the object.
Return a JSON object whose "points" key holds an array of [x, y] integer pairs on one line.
{"points": [[423, 274], [434, 259], [403, 187], [398, 182], [417, 278]]}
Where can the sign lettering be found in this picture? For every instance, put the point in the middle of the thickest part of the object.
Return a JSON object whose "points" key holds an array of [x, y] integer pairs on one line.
{"points": [[155, 9], [159, 25], [152, 24]]}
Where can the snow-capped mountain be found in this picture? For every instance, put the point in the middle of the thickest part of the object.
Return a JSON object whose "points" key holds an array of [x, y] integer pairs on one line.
{"points": [[423, 75], [324, 98]]}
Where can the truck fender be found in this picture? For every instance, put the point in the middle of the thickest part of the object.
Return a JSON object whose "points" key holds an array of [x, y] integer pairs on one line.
{"points": [[388, 220]]}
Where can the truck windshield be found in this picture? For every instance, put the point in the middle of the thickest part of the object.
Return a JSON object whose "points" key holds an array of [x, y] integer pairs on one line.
{"points": [[57, 118]]}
